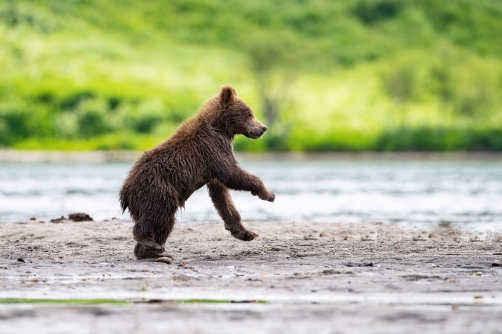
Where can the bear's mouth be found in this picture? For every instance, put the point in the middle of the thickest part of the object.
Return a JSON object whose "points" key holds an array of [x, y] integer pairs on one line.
{"points": [[255, 134]]}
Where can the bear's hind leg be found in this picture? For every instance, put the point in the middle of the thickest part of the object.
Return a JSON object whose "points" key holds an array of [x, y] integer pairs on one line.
{"points": [[151, 238]]}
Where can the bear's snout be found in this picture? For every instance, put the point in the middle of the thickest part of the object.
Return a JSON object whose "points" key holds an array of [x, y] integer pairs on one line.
{"points": [[257, 132], [256, 129]]}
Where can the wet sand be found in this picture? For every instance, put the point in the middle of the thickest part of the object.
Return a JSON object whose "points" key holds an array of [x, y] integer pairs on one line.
{"points": [[328, 278]]}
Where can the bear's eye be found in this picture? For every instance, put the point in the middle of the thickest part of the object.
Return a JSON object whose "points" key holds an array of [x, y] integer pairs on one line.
{"points": [[248, 114]]}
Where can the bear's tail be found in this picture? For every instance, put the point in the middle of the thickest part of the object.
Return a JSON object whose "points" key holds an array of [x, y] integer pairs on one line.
{"points": [[124, 199]]}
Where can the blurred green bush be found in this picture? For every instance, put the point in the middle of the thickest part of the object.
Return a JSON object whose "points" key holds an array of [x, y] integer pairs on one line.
{"points": [[323, 75]]}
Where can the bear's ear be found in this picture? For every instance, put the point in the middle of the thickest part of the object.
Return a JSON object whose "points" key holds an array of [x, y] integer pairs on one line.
{"points": [[227, 94]]}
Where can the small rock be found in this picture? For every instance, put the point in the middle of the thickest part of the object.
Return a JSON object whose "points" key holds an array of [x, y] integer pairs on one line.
{"points": [[164, 259], [497, 264], [182, 264], [21, 260], [359, 264], [330, 272], [478, 297], [58, 220], [80, 217], [155, 301], [33, 218]]}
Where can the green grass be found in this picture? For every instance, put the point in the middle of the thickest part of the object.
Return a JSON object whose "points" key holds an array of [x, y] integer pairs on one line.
{"points": [[348, 75], [64, 301], [114, 301]]}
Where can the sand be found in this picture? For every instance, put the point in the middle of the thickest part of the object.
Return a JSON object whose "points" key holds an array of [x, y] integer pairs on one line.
{"points": [[323, 278]]}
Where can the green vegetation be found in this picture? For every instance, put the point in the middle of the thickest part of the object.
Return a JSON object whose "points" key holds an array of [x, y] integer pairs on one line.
{"points": [[118, 301], [63, 301], [324, 75]]}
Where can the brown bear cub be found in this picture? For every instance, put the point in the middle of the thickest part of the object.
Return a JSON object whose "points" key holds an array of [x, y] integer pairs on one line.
{"points": [[199, 153]]}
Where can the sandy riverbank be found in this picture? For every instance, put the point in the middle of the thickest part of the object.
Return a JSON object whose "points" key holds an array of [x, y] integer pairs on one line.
{"points": [[329, 278]]}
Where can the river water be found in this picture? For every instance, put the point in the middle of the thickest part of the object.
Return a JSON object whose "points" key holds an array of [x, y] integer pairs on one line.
{"points": [[464, 192]]}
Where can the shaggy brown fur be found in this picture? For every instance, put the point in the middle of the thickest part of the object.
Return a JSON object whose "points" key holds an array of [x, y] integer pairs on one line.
{"points": [[199, 153]]}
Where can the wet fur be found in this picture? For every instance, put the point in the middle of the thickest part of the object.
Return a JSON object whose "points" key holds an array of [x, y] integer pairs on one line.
{"points": [[199, 153]]}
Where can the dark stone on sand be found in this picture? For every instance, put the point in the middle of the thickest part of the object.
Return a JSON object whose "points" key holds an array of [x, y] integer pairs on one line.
{"points": [[80, 217], [359, 264], [58, 220]]}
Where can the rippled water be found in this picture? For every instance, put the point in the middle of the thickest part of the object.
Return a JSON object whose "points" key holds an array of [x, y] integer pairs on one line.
{"points": [[321, 191]]}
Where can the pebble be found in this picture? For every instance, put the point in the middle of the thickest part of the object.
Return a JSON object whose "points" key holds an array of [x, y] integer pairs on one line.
{"points": [[164, 259]]}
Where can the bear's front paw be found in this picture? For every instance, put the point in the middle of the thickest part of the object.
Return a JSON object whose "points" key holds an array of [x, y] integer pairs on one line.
{"points": [[268, 196]]}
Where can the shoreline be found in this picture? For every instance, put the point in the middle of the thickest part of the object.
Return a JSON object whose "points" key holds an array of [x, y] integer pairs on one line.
{"points": [[367, 277], [22, 156]]}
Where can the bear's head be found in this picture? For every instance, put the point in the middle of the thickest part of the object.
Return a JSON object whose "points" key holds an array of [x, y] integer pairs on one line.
{"points": [[236, 117]]}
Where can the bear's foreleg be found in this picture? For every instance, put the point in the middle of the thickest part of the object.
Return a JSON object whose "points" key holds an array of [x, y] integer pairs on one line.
{"points": [[220, 195], [238, 179]]}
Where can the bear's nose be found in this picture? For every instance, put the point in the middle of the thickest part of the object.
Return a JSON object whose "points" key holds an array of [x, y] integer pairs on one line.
{"points": [[264, 128]]}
